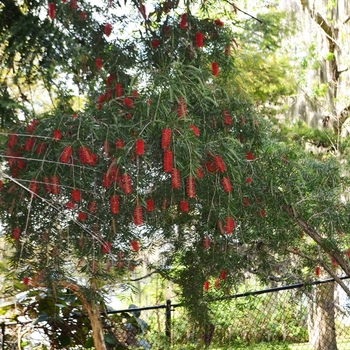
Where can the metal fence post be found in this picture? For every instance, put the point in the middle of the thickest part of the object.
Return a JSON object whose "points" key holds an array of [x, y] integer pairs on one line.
{"points": [[168, 319]]}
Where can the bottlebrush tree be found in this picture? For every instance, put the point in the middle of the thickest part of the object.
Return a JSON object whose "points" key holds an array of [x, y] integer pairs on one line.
{"points": [[161, 155]]}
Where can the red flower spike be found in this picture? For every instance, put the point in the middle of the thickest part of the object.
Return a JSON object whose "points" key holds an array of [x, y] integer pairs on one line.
{"points": [[32, 125], [190, 187], [98, 62], [246, 201], [140, 147], [128, 102], [114, 204], [195, 130], [181, 108], [218, 23], [119, 144], [46, 183], [206, 285], [199, 173], [155, 43], [206, 242], [138, 215], [82, 216], [248, 180], [219, 163], [57, 135], [262, 213], [215, 69], [317, 271], [51, 10], [73, 4], [183, 21], [166, 138], [168, 161], [199, 39], [12, 141], [249, 156], [66, 154], [210, 167], [86, 156], [106, 247], [134, 94], [175, 178], [184, 206], [108, 29], [54, 182], [40, 149], [109, 79], [229, 225], [92, 207], [33, 187], [82, 15], [106, 181], [16, 233], [223, 275], [226, 184], [70, 205], [149, 204], [76, 195], [135, 246], [28, 146], [126, 183], [227, 118], [26, 280], [217, 283], [118, 90]]}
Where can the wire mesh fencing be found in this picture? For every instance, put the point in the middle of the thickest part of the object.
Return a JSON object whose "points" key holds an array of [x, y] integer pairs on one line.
{"points": [[312, 316]]}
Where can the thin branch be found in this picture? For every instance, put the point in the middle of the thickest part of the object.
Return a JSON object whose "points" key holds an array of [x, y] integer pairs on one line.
{"points": [[145, 276], [246, 13]]}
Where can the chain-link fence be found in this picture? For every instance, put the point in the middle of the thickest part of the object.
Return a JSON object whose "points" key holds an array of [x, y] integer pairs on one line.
{"points": [[313, 316]]}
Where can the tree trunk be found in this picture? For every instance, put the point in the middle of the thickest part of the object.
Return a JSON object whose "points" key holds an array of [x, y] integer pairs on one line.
{"points": [[96, 326], [321, 323]]}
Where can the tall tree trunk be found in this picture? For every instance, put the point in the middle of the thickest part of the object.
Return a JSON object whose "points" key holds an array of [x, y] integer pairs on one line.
{"points": [[322, 335], [96, 326]]}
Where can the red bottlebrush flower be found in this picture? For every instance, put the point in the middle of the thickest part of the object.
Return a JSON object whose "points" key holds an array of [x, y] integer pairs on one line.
{"points": [[119, 90], [190, 187], [66, 154], [70, 205], [249, 156], [246, 201], [108, 94], [40, 148], [101, 98], [33, 187], [73, 4], [51, 10], [140, 147], [57, 135], [199, 39], [215, 69], [227, 118], [12, 141], [223, 275], [75, 115], [168, 161], [199, 173], [54, 182], [138, 215], [166, 138], [206, 285], [134, 94], [210, 167], [76, 195], [226, 184], [86, 157], [317, 271], [175, 178], [16, 233], [195, 130], [82, 216], [108, 29], [262, 213], [46, 183], [206, 242], [183, 21], [248, 180], [28, 146], [26, 280], [82, 15], [92, 207], [181, 108], [119, 144], [98, 62], [32, 125], [218, 23], [184, 206], [106, 247], [106, 180], [155, 43], [219, 163], [128, 102], [109, 79], [126, 183], [229, 225], [114, 204], [149, 204], [217, 283], [135, 245]]}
